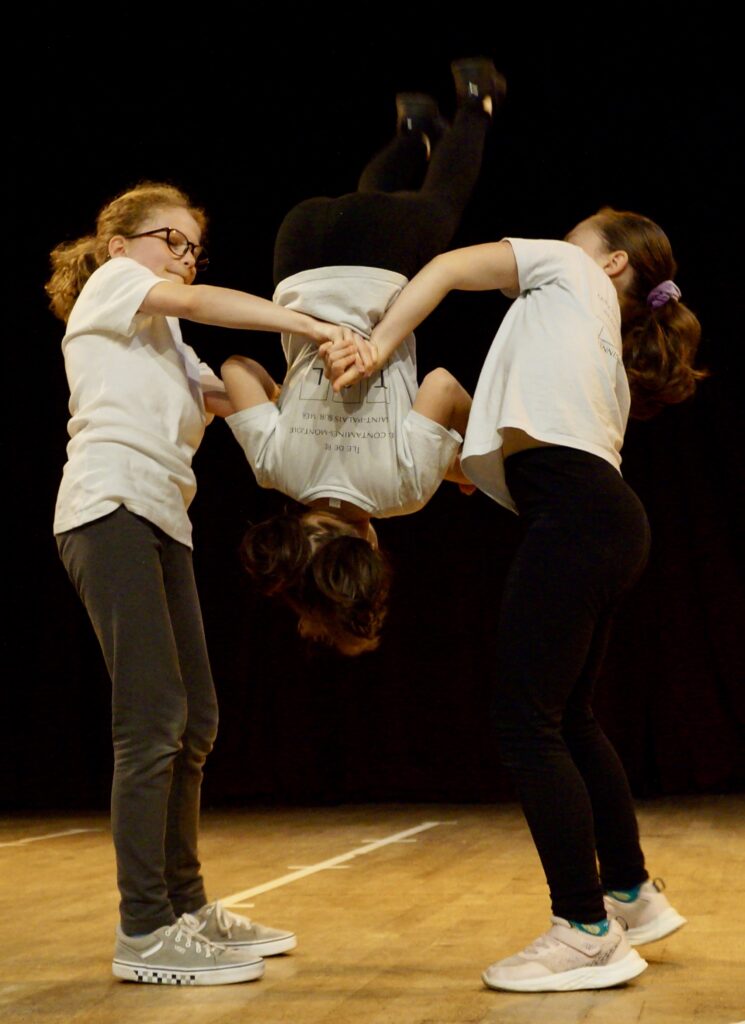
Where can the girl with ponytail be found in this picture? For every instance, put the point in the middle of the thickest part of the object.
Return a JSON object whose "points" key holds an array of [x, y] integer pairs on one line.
{"points": [[597, 329], [139, 401]]}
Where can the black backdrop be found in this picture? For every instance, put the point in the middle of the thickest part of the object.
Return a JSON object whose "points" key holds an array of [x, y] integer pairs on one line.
{"points": [[249, 120]]}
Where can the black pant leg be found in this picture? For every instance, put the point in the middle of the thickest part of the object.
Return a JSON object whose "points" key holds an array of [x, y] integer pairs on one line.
{"points": [[585, 541], [399, 166], [619, 852], [454, 170], [394, 230]]}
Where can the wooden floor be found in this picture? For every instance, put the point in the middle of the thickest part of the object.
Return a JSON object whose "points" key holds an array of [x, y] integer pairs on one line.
{"points": [[392, 932]]}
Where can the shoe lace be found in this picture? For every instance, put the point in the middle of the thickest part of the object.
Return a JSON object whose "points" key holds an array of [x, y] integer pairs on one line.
{"points": [[187, 929], [226, 920]]}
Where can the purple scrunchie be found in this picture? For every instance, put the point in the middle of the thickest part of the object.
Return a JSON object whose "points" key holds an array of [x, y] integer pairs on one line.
{"points": [[663, 293]]}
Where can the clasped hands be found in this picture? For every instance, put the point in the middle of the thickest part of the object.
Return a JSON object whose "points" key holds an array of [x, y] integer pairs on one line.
{"points": [[347, 358]]}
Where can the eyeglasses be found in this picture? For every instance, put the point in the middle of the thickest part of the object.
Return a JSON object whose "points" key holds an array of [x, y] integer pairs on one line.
{"points": [[178, 243]]}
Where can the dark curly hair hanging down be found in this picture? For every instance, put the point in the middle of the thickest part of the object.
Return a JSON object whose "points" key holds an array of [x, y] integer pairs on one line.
{"points": [[335, 581], [659, 345]]}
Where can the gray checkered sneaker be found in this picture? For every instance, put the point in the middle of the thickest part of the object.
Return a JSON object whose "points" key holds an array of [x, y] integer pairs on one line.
{"points": [[218, 924], [178, 955], [566, 959], [647, 918]]}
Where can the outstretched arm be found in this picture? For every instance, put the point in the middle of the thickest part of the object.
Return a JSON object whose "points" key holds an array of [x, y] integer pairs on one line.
{"points": [[476, 268], [226, 307]]}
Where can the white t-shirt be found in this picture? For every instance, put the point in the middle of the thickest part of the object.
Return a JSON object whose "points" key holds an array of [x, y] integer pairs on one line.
{"points": [[136, 404], [555, 368], [365, 445]]}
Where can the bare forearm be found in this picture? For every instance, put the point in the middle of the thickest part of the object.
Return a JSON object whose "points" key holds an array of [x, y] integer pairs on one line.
{"points": [[476, 268], [226, 307], [421, 295]]}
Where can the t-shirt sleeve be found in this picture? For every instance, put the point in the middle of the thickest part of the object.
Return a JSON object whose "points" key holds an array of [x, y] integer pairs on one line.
{"points": [[209, 382], [209, 379], [541, 262], [254, 430], [111, 298]]}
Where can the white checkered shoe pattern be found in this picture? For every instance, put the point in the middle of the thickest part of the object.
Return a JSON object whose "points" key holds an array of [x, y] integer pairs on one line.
{"points": [[178, 955]]}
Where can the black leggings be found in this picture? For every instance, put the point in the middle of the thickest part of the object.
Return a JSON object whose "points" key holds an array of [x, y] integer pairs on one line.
{"points": [[385, 223], [586, 541]]}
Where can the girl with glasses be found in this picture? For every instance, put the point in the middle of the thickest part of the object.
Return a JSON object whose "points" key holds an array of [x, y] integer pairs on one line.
{"points": [[140, 400], [383, 447], [597, 330]]}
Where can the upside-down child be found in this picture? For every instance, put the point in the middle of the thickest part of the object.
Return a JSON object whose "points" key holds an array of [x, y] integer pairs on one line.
{"points": [[382, 447]]}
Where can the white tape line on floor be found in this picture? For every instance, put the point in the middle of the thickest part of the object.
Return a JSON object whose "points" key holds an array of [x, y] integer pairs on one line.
{"points": [[51, 835], [332, 862]]}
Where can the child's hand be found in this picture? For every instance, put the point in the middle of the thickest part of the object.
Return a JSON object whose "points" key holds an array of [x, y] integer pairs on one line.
{"points": [[348, 361], [334, 334], [337, 358]]}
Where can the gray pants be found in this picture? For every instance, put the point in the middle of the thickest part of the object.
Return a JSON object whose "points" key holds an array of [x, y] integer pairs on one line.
{"points": [[138, 587]]}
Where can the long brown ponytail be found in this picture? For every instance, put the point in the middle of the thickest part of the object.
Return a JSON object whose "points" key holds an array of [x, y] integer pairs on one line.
{"points": [[659, 344]]}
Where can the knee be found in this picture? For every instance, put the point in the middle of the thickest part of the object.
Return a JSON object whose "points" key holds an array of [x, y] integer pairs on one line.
{"points": [[519, 724], [239, 364], [506, 722], [580, 729], [145, 754], [441, 382], [147, 733], [201, 732], [511, 739]]}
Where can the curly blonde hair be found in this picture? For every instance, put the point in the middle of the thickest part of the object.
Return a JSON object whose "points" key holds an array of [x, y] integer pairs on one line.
{"points": [[74, 262]]}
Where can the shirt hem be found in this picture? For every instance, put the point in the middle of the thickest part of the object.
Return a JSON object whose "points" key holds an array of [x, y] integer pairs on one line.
{"points": [[105, 509]]}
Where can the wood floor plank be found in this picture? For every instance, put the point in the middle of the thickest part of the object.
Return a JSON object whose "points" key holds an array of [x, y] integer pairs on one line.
{"points": [[399, 934]]}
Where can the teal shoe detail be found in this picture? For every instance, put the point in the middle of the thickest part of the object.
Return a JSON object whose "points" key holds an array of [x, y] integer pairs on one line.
{"points": [[594, 928], [625, 895]]}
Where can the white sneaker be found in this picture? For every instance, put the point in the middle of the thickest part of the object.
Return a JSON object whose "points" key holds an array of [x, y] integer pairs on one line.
{"points": [[648, 917], [567, 958], [178, 955], [218, 924]]}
